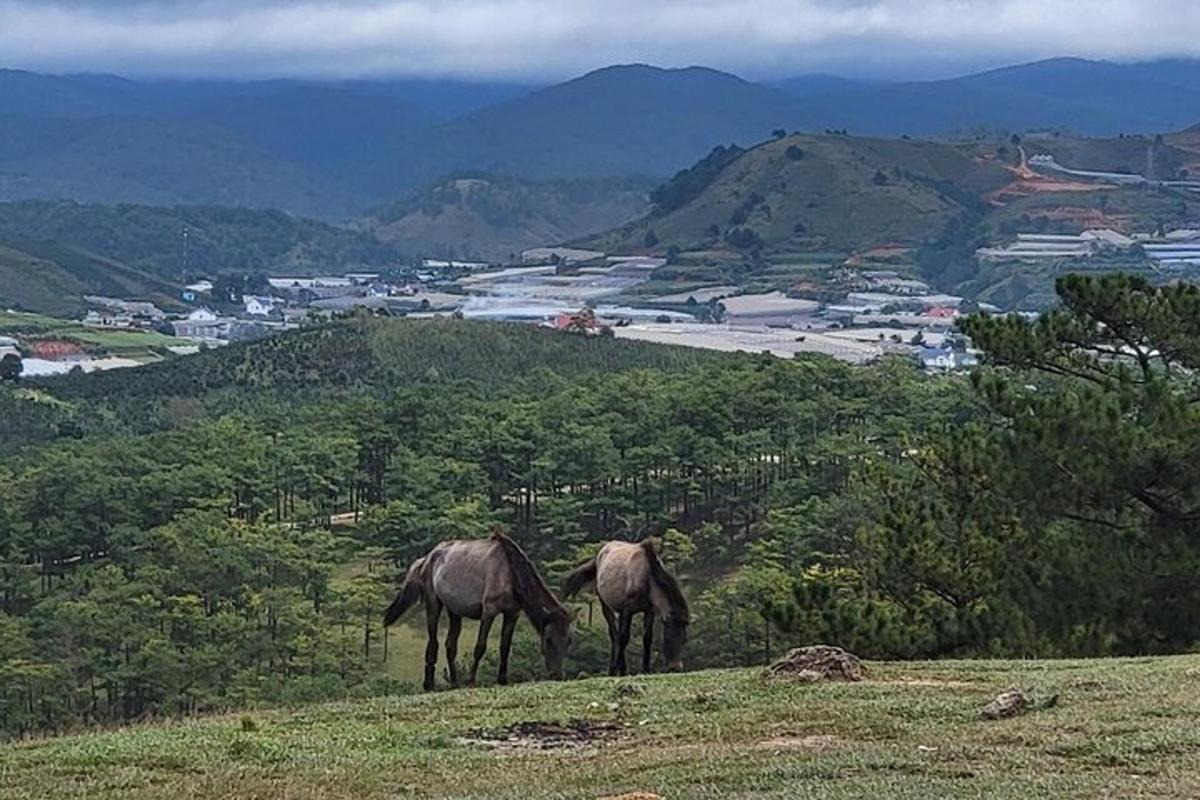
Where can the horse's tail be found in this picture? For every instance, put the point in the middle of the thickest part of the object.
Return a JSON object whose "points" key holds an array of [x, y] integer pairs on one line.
{"points": [[578, 578], [667, 583], [409, 594]]}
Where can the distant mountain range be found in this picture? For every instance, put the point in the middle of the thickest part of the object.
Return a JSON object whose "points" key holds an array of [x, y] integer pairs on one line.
{"points": [[335, 149]]}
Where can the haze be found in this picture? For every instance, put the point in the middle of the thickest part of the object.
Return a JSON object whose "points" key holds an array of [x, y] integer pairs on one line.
{"points": [[553, 39]]}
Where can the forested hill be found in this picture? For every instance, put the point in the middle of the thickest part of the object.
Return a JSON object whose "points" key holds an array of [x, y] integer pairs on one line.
{"points": [[1046, 507], [372, 355], [200, 240], [53, 278]]}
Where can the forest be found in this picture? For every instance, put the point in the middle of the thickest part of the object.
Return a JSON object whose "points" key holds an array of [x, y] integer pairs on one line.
{"points": [[223, 530]]}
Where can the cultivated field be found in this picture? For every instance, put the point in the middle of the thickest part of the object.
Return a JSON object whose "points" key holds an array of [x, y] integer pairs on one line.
{"points": [[1119, 728]]}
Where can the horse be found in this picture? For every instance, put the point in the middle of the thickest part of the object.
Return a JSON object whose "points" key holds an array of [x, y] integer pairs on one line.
{"points": [[482, 579], [630, 579]]}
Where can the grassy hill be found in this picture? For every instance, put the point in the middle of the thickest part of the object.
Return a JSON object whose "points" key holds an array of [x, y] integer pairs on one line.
{"points": [[830, 191], [1120, 728], [488, 216], [52, 278]]}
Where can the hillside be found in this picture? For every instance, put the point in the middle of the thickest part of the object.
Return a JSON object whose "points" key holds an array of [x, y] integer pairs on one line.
{"points": [[155, 161], [151, 238], [805, 191], [1120, 728], [52, 278], [491, 217]]}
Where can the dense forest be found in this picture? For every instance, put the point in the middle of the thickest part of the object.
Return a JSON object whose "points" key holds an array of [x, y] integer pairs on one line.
{"points": [[223, 530]]}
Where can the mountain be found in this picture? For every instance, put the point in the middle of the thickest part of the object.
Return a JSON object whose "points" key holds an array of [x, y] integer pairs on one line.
{"points": [[152, 239], [52, 278], [335, 149], [154, 161], [632, 119], [490, 217], [1089, 97], [804, 191]]}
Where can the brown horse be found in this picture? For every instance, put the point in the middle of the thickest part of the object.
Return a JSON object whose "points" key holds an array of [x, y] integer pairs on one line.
{"points": [[482, 579], [631, 579]]}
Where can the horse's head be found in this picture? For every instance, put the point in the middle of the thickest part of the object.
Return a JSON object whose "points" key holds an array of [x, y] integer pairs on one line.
{"points": [[674, 638], [556, 637]]}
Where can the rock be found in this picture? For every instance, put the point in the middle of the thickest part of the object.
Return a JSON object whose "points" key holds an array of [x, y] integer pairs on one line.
{"points": [[817, 663], [633, 796], [1007, 704]]}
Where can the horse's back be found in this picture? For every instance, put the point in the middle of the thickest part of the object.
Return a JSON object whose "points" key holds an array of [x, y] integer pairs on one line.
{"points": [[467, 573], [623, 577]]}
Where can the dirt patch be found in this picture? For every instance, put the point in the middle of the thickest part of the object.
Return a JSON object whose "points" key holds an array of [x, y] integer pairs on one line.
{"points": [[817, 663], [574, 734], [791, 743]]}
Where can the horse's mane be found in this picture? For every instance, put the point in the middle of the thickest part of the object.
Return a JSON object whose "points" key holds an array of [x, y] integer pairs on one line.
{"points": [[531, 591], [669, 585]]}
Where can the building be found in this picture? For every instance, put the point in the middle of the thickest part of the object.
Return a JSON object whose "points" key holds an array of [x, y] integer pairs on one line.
{"points": [[1051, 246], [108, 319], [945, 359], [202, 323], [259, 305]]}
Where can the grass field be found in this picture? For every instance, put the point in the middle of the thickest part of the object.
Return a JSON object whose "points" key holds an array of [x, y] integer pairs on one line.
{"points": [[132, 344], [1121, 728]]}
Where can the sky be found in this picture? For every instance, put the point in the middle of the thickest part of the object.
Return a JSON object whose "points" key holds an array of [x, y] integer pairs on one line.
{"points": [[520, 40]]}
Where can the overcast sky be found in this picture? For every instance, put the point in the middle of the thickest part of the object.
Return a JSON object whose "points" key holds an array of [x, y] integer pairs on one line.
{"points": [[553, 39]]}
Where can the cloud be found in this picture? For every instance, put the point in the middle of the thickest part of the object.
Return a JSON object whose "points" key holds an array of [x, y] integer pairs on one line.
{"points": [[556, 38]]}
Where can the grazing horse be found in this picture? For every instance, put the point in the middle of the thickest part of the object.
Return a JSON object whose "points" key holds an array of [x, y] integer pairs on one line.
{"points": [[631, 579], [482, 579]]}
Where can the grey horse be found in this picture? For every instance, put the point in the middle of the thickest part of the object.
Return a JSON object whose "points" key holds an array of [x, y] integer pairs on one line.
{"points": [[482, 579], [631, 579]]}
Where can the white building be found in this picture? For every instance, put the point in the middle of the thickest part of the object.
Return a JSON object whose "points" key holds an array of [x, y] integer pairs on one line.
{"points": [[259, 305]]}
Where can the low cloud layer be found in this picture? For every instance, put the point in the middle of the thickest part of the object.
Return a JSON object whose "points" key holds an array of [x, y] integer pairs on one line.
{"points": [[550, 39]]}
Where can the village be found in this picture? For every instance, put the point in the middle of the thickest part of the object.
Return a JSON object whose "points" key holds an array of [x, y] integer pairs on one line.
{"points": [[881, 312]]}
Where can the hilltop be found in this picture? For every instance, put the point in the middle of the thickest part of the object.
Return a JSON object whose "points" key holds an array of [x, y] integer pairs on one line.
{"points": [[483, 216], [1118, 728], [830, 191]]}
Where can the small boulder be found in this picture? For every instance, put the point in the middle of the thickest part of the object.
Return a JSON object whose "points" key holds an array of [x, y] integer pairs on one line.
{"points": [[817, 663], [633, 796], [1007, 704]]}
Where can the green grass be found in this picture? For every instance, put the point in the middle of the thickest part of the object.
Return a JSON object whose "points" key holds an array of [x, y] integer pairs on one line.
{"points": [[1121, 728], [113, 342]]}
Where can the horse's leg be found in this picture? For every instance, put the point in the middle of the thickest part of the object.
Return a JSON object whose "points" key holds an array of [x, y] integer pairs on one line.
{"points": [[485, 627], [624, 628], [433, 612], [611, 619], [452, 648], [506, 633], [647, 642]]}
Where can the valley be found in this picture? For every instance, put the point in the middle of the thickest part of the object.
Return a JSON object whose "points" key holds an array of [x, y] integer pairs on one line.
{"points": [[906, 365]]}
